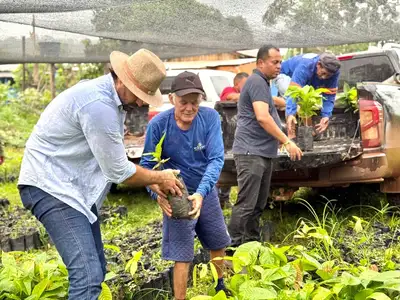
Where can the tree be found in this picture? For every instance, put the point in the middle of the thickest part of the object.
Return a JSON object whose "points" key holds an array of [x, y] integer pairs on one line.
{"points": [[170, 28], [318, 22]]}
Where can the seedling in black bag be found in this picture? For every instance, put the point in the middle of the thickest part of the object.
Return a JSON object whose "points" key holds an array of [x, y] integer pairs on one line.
{"points": [[181, 206]]}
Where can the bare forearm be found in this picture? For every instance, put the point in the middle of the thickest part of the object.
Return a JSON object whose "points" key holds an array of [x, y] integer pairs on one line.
{"points": [[270, 126], [144, 177], [233, 97], [278, 101]]}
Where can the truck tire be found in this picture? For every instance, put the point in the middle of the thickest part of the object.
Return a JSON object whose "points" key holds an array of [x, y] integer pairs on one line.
{"points": [[393, 199]]}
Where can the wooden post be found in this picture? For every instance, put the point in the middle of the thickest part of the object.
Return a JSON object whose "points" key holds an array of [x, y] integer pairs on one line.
{"points": [[23, 65], [52, 81]]}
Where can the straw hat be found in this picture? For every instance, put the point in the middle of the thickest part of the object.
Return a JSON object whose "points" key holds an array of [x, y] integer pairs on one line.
{"points": [[142, 73]]}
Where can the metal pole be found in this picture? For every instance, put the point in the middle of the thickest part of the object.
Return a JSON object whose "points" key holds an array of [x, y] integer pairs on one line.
{"points": [[52, 81], [23, 65]]}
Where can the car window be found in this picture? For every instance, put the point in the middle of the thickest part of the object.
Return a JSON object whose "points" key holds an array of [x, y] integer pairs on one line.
{"points": [[372, 68], [219, 83]]}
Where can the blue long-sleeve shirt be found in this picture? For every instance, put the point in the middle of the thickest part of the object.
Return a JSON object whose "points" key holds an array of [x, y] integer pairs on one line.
{"points": [[303, 71], [198, 152]]}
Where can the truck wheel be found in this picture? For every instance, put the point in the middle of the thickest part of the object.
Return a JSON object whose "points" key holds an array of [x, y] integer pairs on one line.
{"points": [[114, 188], [393, 199]]}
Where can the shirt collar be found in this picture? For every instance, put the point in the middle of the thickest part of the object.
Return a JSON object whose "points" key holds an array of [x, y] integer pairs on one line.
{"points": [[258, 72], [114, 91]]}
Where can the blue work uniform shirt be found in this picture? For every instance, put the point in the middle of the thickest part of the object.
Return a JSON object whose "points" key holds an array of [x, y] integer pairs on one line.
{"points": [[303, 70], [197, 152]]}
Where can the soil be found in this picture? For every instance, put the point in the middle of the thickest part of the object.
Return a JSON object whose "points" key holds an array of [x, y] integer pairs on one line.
{"points": [[106, 212], [304, 138], [181, 206]]}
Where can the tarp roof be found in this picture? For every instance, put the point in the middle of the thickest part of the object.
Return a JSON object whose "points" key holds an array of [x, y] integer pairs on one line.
{"points": [[88, 30]]}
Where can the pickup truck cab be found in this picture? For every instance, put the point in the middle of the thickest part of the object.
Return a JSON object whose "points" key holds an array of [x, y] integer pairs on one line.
{"points": [[357, 147]]}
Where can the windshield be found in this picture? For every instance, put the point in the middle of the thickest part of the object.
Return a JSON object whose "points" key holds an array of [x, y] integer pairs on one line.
{"points": [[219, 83]]}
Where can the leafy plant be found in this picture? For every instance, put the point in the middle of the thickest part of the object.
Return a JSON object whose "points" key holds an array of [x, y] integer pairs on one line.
{"points": [[32, 276], [320, 231], [308, 99], [157, 153], [348, 98], [265, 272]]}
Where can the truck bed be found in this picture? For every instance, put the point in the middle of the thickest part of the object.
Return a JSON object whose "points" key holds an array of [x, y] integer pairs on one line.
{"points": [[340, 142]]}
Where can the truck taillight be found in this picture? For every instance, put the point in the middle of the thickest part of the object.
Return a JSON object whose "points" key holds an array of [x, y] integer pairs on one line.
{"points": [[371, 123]]}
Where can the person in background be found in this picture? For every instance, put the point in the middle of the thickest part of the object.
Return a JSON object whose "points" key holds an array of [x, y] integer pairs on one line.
{"points": [[258, 134], [233, 93], [76, 151], [319, 71], [279, 86], [193, 144]]}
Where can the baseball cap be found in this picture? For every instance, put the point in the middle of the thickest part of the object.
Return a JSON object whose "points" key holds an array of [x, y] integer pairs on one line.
{"points": [[187, 83], [329, 62]]}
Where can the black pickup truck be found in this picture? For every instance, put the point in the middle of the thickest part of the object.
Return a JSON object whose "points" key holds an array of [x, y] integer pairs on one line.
{"points": [[357, 147]]}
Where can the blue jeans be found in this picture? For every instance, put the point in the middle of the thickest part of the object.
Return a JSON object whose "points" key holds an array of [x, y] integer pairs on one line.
{"points": [[77, 241]]}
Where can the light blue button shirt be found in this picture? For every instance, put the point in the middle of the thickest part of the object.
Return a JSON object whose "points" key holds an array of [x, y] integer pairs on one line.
{"points": [[76, 149]]}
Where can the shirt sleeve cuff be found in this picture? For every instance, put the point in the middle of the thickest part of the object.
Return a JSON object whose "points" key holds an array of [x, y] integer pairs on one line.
{"points": [[129, 172], [151, 193], [326, 115], [201, 192]]}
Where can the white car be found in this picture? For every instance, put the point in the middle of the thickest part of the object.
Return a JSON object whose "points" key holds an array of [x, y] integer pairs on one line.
{"points": [[213, 81]]}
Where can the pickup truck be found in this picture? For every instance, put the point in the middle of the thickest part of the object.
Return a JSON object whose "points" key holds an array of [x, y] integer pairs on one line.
{"points": [[357, 147]]}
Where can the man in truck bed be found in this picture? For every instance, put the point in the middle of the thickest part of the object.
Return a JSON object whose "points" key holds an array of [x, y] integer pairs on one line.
{"points": [[319, 71]]}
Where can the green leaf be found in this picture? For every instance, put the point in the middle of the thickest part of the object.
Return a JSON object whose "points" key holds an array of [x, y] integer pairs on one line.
{"points": [[236, 281], [202, 297], [112, 247], [203, 271], [8, 260], [247, 254], [257, 293], [385, 276], [362, 295], [220, 296], [28, 285], [132, 264], [214, 274], [322, 294], [348, 279], [60, 292], [12, 296], [280, 253], [105, 292], [309, 263], [378, 296], [110, 275], [358, 225], [40, 287], [267, 257]]}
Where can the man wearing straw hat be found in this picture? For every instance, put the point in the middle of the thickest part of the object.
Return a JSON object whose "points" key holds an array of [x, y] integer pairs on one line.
{"points": [[76, 152]]}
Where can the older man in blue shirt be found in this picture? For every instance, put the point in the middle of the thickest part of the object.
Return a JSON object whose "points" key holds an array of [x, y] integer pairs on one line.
{"points": [[76, 152], [193, 144], [319, 71]]}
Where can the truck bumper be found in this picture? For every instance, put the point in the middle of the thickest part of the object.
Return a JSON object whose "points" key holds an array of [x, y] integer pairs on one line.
{"points": [[365, 168]]}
